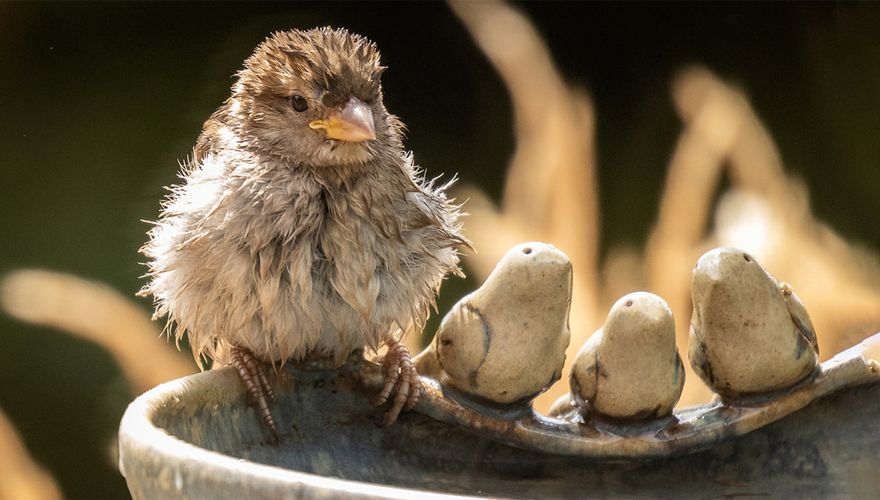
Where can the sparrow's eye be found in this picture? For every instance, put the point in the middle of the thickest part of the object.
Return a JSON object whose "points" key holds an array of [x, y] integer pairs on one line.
{"points": [[299, 103]]}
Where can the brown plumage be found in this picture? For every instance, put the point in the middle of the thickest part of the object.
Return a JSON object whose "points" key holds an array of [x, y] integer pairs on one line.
{"points": [[301, 226]]}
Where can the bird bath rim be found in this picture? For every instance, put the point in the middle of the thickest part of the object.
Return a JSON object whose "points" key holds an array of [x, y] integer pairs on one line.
{"points": [[177, 464], [157, 463]]}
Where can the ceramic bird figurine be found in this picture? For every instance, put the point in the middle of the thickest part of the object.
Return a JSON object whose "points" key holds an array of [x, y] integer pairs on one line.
{"points": [[749, 333], [505, 342], [630, 368], [301, 226]]}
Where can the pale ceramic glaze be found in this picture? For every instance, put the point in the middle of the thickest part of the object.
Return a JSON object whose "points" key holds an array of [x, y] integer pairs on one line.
{"points": [[197, 438], [506, 341], [630, 368], [749, 333]]}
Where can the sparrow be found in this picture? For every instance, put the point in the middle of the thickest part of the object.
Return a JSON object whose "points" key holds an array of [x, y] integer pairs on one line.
{"points": [[301, 228]]}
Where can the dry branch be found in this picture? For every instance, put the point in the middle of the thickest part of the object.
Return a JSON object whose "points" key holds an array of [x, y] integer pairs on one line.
{"points": [[99, 314]]}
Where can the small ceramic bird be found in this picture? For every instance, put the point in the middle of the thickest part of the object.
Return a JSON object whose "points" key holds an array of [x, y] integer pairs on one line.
{"points": [[749, 333], [505, 342], [630, 368], [301, 227]]}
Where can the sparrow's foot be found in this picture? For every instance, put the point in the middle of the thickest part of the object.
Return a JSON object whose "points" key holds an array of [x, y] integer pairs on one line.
{"points": [[255, 377], [400, 376]]}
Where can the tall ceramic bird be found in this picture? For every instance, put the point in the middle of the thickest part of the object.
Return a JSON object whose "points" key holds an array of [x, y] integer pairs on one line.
{"points": [[301, 227], [750, 334]]}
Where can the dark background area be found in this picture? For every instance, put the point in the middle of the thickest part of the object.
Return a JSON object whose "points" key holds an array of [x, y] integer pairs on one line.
{"points": [[99, 101]]}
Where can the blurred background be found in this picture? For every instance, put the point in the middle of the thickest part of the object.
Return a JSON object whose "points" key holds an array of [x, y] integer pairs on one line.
{"points": [[101, 100]]}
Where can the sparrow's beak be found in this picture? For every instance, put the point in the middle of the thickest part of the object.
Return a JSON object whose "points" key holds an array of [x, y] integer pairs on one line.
{"points": [[353, 123]]}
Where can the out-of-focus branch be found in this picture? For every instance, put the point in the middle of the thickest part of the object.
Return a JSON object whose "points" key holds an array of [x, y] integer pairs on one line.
{"points": [[713, 119], [20, 477], [550, 193], [710, 129], [550, 188], [99, 314], [765, 213]]}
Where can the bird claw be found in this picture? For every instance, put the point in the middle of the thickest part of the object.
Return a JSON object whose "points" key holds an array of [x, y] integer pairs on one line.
{"points": [[400, 376], [255, 377]]}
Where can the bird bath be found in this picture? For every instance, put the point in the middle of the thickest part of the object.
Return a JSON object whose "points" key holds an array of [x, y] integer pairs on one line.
{"points": [[196, 438]]}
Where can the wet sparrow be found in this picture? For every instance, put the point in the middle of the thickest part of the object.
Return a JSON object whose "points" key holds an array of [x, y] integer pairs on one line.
{"points": [[301, 226]]}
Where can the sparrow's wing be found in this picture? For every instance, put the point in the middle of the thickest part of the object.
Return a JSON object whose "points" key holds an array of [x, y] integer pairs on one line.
{"points": [[207, 141]]}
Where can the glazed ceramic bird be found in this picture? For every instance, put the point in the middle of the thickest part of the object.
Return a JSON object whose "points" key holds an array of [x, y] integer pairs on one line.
{"points": [[630, 368], [505, 342], [749, 333], [301, 227]]}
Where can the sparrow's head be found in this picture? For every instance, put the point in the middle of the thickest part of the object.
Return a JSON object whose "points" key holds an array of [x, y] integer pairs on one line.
{"points": [[314, 97]]}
